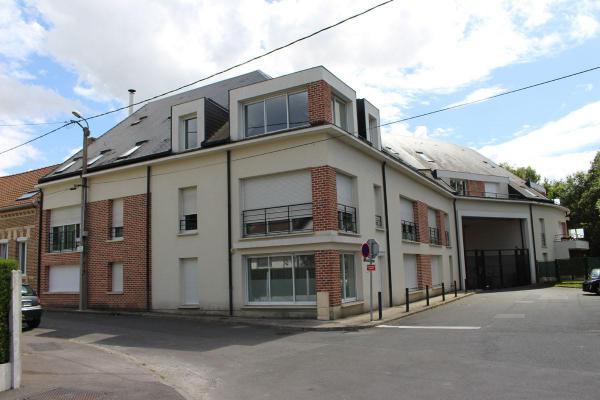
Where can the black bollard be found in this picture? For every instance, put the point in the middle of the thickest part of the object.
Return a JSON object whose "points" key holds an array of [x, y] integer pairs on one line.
{"points": [[443, 292], [380, 305], [407, 300], [427, 293], [455, 290]]}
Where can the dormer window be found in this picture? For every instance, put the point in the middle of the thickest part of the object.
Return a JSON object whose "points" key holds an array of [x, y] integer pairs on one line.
{"points": [[338, 107], [190, 133], [277, 113]]}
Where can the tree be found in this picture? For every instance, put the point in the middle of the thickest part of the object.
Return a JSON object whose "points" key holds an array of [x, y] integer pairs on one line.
{"points": [[525, 173]]}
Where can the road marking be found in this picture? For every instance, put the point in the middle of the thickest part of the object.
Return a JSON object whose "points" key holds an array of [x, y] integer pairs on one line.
{"points": [[524, 301], [458, 328], [509, 316]]}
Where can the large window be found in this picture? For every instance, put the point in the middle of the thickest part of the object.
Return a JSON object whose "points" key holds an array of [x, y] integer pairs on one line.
{"points": [[190, 133], [410, 272], [116, 230], [64, 229], [348, 277], [281, 279], [459, 185], [188, 214], [346, 207], [338, 106], [3, 250], [277, 113]]}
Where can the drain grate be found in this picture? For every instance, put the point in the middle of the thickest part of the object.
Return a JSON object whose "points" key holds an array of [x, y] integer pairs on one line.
{"points": [[68, 394]]}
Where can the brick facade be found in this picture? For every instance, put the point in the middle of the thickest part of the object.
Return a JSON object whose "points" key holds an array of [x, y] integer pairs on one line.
{"points": [[319, 103], [102, 253], [476, 188], [324, 198], [327, 269], [20, 224], [423, 270], [420, 210]]}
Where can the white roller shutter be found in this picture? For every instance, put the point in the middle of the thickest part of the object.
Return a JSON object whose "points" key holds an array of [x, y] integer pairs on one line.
{"points": [[117, 277], [189, 281], [431, 218], [63, 278], [407, 212], [491, 189], [436, 270], [277, 190], [117, 212], [345, 190], [65, 216], [410, 271], [188, 201]]}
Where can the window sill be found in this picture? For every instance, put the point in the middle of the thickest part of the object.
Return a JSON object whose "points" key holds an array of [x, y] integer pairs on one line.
{"points": [[435, 245], [380, 229], [119, 239], [279, 235], [345, 233], [188, 233], [114, 292], [351, 303], [51, 293], [63, 252], [410, 241], [189, 306], [279, 305]]}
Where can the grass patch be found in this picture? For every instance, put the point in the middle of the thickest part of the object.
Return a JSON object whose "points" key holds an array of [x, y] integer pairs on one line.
{"points": [[569, 284]]}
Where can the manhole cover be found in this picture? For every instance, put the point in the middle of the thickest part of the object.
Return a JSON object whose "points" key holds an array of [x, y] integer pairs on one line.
{"points": [[68, 394]]}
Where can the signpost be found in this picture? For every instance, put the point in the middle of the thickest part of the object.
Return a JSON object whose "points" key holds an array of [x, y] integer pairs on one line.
{"points": [[370, 250]]}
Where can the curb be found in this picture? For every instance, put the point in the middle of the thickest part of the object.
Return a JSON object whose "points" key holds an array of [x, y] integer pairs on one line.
{"points": [[261, 323]]}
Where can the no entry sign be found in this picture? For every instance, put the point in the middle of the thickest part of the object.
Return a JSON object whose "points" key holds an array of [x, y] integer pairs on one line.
{"points": [[371, 267]]}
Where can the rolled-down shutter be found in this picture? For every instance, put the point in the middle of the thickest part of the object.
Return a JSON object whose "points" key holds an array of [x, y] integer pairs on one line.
{"points": [[65, 216], [410, 271], [117, 213], [407, 211], [63, 278], [345, 190], [431, 218], [188, 201], [277, 190]]}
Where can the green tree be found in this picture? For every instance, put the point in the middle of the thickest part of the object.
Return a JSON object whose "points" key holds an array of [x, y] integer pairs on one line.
{"points": [[526, 173]]}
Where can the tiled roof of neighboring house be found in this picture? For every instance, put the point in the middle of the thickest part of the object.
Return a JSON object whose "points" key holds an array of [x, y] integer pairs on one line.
{"points": [[429, 155], [150, 126], [13, 187]]}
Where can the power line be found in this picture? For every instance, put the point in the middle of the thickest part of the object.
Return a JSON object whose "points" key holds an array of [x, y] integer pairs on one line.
{"points": [[35, 138], [491, 97], [33, 123]]}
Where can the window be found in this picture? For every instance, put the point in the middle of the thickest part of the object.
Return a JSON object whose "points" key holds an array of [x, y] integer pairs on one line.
{"points": [[410, 271], [277, 113], [27, 195], [93, 160], [434, 231], [190, 133], [372, 128], [3, 250], [348, 277], [338, 107], [447, 226], [64, 229], [425, 157], [63, 278], [133, 149], [281, 279], [116, 275], [116, 230], [346, 204], [22, 249], [543, 231], [459, 186], [378, 206], [407, 215], [66, 166], [436, 271], [491, 189], [188, 219]]}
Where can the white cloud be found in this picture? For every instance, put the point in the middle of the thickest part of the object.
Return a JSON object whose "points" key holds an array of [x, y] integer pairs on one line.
{"points": [[556, 149], [10, 137], [480, 94]]}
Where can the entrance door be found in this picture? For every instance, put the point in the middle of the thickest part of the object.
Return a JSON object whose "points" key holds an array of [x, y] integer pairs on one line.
{"points": [[189, 281]]}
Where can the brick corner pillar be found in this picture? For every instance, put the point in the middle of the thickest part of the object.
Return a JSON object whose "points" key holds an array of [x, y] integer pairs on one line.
{"points": [[423, 270], [324, 199], [328, 283], [440, 222], [476, 188], [420, 210], [319, 103]]}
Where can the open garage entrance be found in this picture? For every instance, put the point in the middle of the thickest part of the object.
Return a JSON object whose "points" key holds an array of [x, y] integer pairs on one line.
{"points": [[496, 252]]}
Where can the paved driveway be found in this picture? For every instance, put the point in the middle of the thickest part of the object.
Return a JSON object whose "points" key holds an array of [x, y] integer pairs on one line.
{"points": [[527, 344]]}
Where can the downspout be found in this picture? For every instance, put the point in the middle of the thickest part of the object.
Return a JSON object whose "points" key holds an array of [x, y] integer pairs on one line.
{"points": [[229, 249], [387, 232], [148, 239], [458, 247], [533, 241], [40, 206]]}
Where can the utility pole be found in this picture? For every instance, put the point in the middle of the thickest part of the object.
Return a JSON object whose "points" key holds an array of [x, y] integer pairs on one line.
{"points": [[83, 227]]}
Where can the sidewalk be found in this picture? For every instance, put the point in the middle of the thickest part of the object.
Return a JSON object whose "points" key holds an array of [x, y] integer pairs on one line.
{"points": [[56, 368], [360, 321]]}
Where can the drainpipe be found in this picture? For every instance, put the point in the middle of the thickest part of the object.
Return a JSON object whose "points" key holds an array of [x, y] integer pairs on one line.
{"points": [[229, 249], [40, 206], [387, 232], [148, 239], [458, 247], [532, 241]]}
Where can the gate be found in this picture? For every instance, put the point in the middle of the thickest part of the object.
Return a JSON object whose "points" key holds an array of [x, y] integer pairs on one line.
{"points": [[496, 269]]}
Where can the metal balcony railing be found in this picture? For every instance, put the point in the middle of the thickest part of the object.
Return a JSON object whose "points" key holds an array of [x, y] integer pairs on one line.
{"points": [[447, 238], [63, 238], [378, 221], [410, 231], [347, 218], [188, 223], [434, 236], [116, 232], [277, 220]]}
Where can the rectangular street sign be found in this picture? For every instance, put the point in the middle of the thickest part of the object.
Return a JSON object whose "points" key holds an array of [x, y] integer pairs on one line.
{"points": [[371, 267]]}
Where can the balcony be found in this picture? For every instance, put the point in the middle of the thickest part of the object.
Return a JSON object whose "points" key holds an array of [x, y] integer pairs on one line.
{"points": [[564, 246], [410, 231], [435, 237], [277, 220], [447, 238], [347, 218]]}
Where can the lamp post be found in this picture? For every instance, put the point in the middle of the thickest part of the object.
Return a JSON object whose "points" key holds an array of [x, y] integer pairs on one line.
{"points": [[83, 230]]}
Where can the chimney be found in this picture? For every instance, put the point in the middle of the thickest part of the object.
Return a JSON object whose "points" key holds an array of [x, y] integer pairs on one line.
{"points": [[131, 94]]}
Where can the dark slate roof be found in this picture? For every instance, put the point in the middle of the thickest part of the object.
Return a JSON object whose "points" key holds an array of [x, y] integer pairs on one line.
{"points": [[151, 125], [451, 157]]}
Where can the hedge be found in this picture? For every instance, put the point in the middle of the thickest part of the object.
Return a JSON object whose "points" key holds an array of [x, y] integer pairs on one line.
{"points": [[6, 266]]}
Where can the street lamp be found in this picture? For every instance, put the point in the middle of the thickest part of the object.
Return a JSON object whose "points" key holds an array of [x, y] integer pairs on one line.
{"points": [[83, 231]]}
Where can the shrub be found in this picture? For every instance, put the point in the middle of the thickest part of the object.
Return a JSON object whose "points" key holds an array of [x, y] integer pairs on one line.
{"points": [[6, 266]]}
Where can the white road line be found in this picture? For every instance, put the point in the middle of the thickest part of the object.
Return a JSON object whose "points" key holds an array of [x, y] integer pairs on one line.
{"points": [[458, 328]]}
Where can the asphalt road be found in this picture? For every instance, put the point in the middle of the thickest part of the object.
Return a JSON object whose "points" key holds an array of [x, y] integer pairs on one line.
{"points": [[527, 344]]}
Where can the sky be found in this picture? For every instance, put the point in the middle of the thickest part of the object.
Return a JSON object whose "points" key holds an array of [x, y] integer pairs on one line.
{"points": [[407, 58]]}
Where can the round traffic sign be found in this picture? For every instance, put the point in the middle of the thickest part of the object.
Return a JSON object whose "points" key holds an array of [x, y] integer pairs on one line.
{"points": [[365, 250]]}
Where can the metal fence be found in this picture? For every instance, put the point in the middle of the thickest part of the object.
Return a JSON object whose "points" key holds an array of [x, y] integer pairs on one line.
{"points": [[570, 269], [495, 269]]}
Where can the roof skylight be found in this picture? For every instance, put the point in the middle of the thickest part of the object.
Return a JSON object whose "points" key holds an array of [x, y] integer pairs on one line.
{"points": [[425, 157], [93, 160], [66, 166], [27, 195], [133, 149]]}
